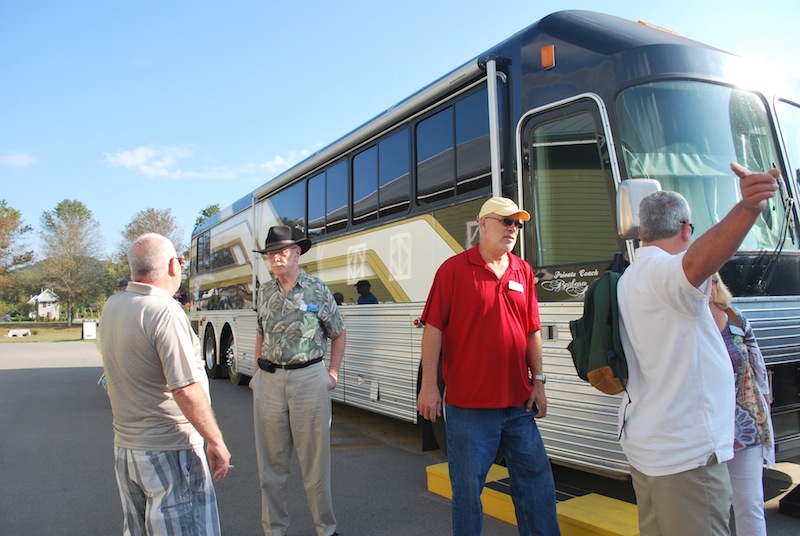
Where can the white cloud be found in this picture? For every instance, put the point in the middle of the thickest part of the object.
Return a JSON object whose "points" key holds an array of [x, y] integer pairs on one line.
{"points": [[17, 160], [164, 162], [152, 161], [282, 163]]}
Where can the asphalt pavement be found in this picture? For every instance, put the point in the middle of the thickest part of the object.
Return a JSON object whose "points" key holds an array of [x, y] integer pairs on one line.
{"points": [[57, 461], [57, 467]]}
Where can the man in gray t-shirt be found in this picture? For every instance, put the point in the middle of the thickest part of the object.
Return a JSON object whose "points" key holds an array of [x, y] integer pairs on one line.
{"points": [[160, 401]]}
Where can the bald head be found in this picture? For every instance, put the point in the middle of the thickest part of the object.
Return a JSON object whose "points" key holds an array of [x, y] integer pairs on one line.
{"points": [[149, 258]]}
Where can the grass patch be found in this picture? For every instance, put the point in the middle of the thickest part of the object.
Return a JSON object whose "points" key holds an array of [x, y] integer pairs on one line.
{"points": [[42, 332]]}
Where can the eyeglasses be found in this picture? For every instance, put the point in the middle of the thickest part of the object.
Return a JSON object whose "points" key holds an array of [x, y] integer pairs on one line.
{"points": [[181, 260], [283, 252], [508, 222], [691, 227]]}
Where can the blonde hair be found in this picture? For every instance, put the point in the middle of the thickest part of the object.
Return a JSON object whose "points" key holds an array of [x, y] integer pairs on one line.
{"points": [[724, 296]]}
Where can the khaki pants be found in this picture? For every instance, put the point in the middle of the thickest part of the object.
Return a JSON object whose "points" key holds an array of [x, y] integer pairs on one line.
{"points": [[691, 503], [292, 409]]}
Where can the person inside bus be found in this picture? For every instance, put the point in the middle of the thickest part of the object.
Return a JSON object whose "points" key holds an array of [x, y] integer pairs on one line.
{"points": [[339, 297], [678, 408], [753, 436], [482, 315], [291, 388], [365, 296]]}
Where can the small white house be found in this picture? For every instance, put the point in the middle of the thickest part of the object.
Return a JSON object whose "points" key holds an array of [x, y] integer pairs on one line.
{"points": [[45, 305]]}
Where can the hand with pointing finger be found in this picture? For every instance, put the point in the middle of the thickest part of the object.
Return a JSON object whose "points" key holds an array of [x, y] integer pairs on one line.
{"points": [[756, 187]]}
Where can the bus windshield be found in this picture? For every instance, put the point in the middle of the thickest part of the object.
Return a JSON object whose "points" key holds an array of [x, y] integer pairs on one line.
{"points": [[789, 119], [685, 134]]}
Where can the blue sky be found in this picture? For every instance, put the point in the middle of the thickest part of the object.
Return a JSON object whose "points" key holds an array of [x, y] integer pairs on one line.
{"points": [[180, 104]]}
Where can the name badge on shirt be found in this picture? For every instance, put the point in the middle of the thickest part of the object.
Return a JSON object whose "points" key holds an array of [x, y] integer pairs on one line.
{"points": [[309, 307], [516, 287], [736, 330]]}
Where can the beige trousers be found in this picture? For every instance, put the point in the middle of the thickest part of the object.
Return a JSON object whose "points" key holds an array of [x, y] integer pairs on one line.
{"points": [[691, 503], [292, 410]]}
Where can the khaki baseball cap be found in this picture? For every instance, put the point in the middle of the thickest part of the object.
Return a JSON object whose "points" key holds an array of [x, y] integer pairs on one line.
{"points": [[503, 206]]}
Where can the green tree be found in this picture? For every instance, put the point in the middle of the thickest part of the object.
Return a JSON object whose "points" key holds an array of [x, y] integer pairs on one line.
{"points": [[70, 244], [206, 213], [116, 268], [152, 220], [12, 254], [27, 282]]}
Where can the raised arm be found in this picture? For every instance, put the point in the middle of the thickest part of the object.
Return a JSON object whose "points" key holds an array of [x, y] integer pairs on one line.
{"points": [[717, 245]]}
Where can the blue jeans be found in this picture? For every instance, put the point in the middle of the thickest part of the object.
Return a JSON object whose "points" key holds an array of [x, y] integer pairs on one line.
{"points": [[473, 438]]}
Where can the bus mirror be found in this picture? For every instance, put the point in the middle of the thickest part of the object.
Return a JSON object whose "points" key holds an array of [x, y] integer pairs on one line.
{"points": [[629, 196]]}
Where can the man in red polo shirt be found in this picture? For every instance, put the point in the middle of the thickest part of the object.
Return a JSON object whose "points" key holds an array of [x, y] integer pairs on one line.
{"points": [[483, 316]]}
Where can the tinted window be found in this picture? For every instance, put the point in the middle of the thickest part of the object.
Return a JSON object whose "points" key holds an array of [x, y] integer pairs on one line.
{"points": [[435, 158], [336, 185], [203, 262], [316, 205], [573, 200], [453, 151], [473, 158], [365, 186], [382, 179], [290, 206], [395, 178]]}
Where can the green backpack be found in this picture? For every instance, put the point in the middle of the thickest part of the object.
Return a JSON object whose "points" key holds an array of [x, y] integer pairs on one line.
{"points": [[596, 347]]}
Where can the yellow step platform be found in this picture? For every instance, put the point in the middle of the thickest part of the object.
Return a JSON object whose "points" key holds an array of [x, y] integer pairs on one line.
{"points": [[578, 514]]}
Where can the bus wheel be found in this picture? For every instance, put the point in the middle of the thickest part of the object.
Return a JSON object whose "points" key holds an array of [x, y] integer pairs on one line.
{"points": [[234, 374], [213, 369]]}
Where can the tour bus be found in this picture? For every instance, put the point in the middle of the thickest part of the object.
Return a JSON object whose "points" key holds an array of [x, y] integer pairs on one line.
{"points": [[567, 117]]}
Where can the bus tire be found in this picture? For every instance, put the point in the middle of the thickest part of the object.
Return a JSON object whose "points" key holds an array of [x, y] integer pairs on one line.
{"points": [[213, 369], [228, 351]]}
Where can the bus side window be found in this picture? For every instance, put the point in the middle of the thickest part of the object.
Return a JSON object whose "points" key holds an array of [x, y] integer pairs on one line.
{"points": [[435, 158], [203, 261], [453, 154]]}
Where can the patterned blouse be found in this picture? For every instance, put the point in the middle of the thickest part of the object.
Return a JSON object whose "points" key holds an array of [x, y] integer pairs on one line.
{"points": [[753, 424], [294, 327]]}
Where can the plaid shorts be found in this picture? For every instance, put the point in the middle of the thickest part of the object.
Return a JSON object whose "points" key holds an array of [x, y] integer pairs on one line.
{"points": [[166, 492]]}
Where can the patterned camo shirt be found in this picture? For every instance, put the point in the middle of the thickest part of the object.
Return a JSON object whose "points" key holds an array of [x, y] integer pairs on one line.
{"points": [[295, 327]]}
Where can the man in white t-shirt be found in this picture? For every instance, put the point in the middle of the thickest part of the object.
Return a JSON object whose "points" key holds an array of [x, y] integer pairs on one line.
{"points": [[677, 416]]}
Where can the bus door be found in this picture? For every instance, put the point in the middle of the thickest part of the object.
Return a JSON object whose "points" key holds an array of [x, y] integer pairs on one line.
{"points": [[569, 187]]}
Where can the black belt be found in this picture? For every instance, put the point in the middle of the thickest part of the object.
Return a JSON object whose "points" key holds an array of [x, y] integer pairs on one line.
{"points": [[270, 367]]}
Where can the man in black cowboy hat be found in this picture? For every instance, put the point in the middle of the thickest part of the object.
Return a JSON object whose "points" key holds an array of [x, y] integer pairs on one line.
{"points": [[291, 388]]}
